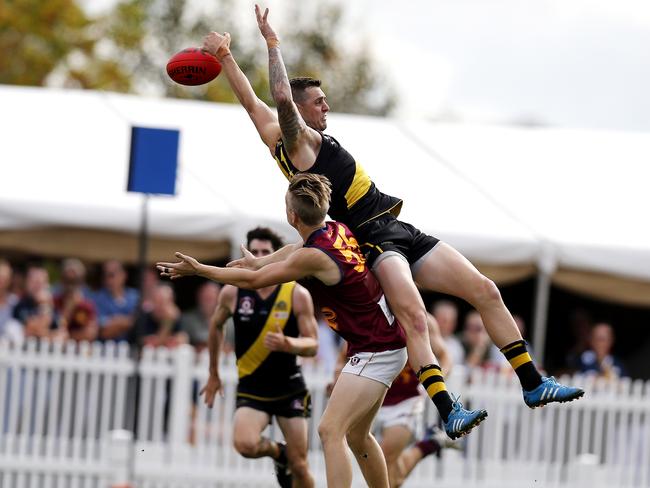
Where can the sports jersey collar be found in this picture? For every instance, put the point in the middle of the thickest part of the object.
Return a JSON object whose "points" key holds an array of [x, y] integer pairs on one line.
{"points": [[313, 235]]}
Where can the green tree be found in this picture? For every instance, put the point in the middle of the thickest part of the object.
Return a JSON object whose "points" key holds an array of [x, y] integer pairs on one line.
{"points": [[36, 36], [126, 50]]}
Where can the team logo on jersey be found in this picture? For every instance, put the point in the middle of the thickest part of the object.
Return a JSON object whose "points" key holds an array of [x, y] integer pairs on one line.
{"points": [[280, 310], [354, 360], [246, 306]]}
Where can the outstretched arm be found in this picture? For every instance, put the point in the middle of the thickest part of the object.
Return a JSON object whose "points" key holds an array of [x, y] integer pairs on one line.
{"points": [[302, 263], [301, 141], [265, 120], [249, 261]]}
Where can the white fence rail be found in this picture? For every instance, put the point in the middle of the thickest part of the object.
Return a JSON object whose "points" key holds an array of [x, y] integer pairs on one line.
{"points": [[59, 405]]}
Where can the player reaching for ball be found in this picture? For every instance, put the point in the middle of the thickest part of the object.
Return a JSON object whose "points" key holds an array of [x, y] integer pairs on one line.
{"points": [[330, 265], [399, 254]]}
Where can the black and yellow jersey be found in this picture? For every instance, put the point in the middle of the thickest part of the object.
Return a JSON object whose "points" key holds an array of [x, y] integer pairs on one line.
{"points": [[265, 375], [355, 198]]}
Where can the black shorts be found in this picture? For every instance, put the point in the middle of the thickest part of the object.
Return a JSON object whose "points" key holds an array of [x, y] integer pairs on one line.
{"points": [[386, 233], [298, 405]]}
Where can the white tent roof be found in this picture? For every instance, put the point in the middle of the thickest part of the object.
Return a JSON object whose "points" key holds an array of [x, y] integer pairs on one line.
{"points": [[502, 196]]}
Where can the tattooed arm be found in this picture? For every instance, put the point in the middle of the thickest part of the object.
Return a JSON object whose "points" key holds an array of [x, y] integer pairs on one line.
{"points": [[265, 120], [301, 141]]}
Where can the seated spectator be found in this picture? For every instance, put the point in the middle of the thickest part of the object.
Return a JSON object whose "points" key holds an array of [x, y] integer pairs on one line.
{"points": [[196, 322], [599, 359], [446, 313], [116, 304], [479, 349], [10, 328], [161, 326], [35, 310], [75, 309]]}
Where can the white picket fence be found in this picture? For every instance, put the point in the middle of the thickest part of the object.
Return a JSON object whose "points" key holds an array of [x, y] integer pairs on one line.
{"points": [[65, 413]]}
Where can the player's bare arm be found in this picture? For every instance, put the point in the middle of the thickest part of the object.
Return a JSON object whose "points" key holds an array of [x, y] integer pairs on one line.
{"points": [[224, 309], [265, 120], [303, 309], [301, 141], [302, 263], [248, 261]]}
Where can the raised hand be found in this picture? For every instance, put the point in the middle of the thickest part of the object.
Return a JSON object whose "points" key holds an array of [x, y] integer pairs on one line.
{"points": [[187, 266], [217, 44], [263, 23], [247, 261]]}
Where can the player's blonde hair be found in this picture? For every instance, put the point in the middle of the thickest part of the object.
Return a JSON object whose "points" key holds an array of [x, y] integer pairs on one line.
{"points": [[310, 197]]}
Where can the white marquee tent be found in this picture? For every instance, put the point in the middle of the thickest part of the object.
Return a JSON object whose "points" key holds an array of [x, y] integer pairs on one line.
{"points": [[571, 205]]}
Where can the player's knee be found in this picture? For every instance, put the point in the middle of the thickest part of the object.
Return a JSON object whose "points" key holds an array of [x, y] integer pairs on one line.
{"points": [[486, 291], [328, 431], [414, 320], [300, 468], [391, 456], [246, 447]]}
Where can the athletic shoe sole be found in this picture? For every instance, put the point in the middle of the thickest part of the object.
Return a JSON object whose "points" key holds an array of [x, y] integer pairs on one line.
{"points": [[467, 429], [546, 401]]}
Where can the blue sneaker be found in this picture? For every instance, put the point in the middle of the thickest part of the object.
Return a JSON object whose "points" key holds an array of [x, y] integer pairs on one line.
{"points": [[461, 421], [551, 391]]}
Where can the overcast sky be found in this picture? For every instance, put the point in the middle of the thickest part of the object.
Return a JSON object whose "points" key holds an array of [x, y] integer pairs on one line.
{"points": [[567, 63], [576, 63]]}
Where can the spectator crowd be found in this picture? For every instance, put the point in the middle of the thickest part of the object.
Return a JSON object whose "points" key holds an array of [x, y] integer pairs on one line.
{"points": [[70, 309]]}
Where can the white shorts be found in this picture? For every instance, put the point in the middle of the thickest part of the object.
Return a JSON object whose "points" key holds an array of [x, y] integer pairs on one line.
{"points": [[408, 413], [379, 366]]}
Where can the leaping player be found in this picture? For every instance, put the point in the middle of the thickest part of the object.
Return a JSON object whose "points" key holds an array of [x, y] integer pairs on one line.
{"points": [[330, 265], [398, 253]]}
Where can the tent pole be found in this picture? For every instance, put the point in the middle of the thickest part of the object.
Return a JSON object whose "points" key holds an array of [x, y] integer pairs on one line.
{"points": [[542, 294], [143, 242], [546, 264]]}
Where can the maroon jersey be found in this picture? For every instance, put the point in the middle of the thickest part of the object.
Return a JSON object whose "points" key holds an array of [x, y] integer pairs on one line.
{"points": [[355, 307], [405, 386]]}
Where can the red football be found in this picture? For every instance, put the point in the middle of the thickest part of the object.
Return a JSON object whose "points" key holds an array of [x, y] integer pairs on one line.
{"points": [[193, 66]]}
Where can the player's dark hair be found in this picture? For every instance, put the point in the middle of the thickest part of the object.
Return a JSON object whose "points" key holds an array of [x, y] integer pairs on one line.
{"points": [[310, 197], [299, 85], [264, 234]]}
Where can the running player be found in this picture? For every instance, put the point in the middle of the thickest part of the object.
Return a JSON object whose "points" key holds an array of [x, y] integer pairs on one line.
{"points": [[398, 253], [330, 266], [273, 325]]}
